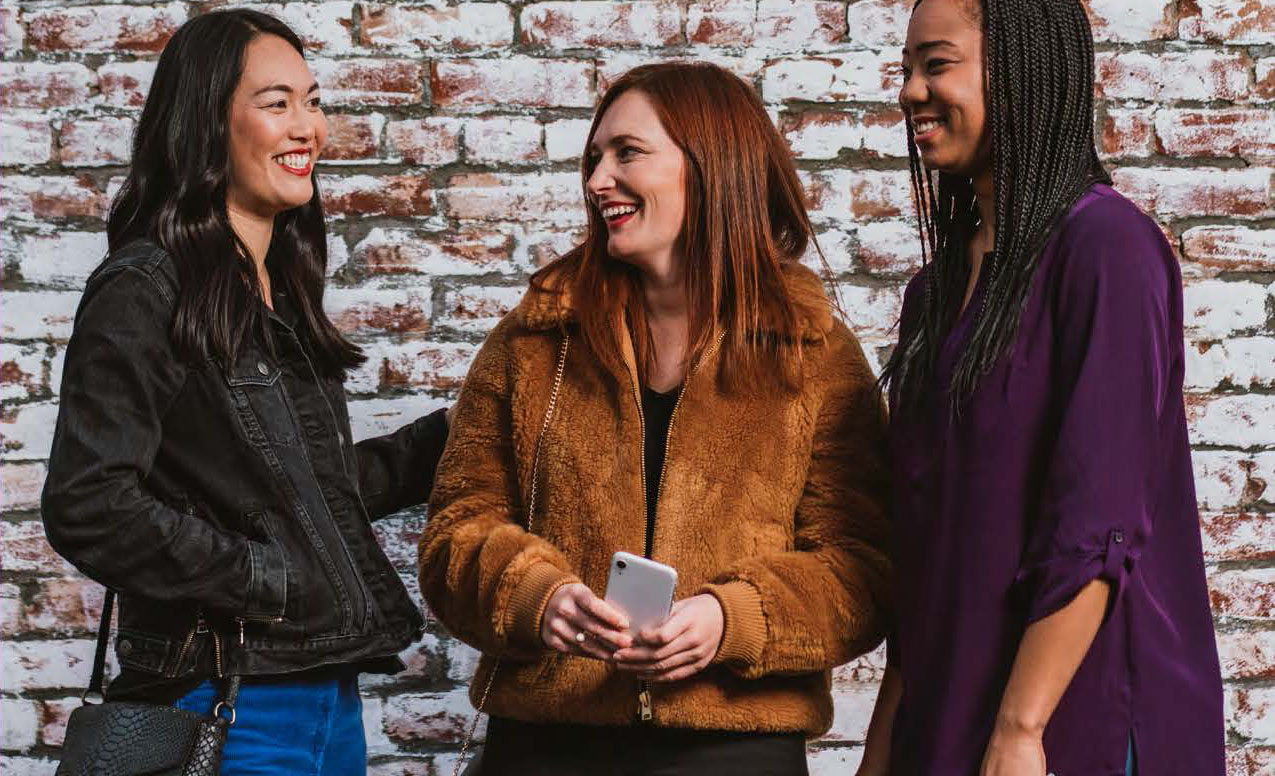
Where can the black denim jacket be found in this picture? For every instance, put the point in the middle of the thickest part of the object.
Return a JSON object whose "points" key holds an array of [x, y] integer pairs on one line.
{"points": [[227, 501]]}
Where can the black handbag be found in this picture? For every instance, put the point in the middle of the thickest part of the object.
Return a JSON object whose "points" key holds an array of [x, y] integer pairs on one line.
{"points": [[142, 739]]}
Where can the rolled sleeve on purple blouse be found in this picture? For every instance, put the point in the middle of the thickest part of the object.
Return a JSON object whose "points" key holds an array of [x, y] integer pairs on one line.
{"points": [[1096, 512]]}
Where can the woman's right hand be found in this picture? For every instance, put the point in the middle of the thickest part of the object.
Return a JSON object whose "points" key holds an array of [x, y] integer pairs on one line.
{"points": [[573, 609]]}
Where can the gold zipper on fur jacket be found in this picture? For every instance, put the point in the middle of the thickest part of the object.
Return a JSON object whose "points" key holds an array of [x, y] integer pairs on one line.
{"points": [[645, 710]]}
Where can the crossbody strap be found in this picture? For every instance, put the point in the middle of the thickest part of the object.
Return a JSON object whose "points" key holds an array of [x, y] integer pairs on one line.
{"points": [[531, 521]]}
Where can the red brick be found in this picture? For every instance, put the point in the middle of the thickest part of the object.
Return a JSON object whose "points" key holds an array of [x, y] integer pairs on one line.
{"points": [[360, 311], [861, 76], [1231, 248], [413, 366], [65, 607], [377, 195], [1227, 21], [54, 715], [817, 134], [92, 142], [431, 141], [44, 85], [552, 197], [1265, 86], [370, 81], [23, 371], [11, 612], [721, 23], [454, 252], [48, 197], [1191, 75], [1119, 21], [461, 27], [20, 486], [1244, 132], [1126, 133], [353, 138], [597, 24], [503, 140], [1199, 191], [23, 547], [523, 81], [125, 84], [845, 194], [1252, 714], [1238, 536], [103, 28], [1244, 593], [12, 36], [25, 139]]}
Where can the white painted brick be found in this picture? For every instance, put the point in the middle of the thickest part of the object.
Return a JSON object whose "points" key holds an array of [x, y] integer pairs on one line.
{"points": [[62, 259], [363, 310], [25, 138], [412, 364], [462, 661], [1243, 362], [1252, 714], [20, 485], [1246, 653], [12, 36], [478, 308], [322, 27], [125, 84], [878, 23], [1242, 421], [853, 75], [1218, 308], [38, 314], [26, 431], [565, 139], [46, 665], [555, 198], [871, 310], [834, 761], [19, 723], [374, 417], [1226, 479], [1119, 21], [428, 28], [27, 766], [410, 251], [503, 140]]}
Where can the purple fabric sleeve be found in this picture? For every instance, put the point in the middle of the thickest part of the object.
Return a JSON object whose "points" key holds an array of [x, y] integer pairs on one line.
{"points": [[1112, 324]]}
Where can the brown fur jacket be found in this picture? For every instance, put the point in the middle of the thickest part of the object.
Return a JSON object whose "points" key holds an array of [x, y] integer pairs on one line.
{"points": [[775, 504]]}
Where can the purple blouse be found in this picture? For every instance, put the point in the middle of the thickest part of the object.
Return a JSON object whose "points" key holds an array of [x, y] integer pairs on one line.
{"points": [[1070, 462]]}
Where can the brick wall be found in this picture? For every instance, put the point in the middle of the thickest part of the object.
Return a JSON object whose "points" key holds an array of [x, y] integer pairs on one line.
{"points": [[452, 174]]}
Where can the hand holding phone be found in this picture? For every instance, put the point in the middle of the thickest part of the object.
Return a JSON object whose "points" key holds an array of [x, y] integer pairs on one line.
{"points": [[641, 588], [679, 648]]}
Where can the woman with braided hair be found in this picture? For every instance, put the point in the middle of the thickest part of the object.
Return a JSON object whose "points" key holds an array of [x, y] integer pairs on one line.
{"points": [[1052, 609]]}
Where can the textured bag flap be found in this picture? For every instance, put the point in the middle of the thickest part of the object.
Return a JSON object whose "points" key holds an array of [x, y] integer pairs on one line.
{"points": [[127, 739]]}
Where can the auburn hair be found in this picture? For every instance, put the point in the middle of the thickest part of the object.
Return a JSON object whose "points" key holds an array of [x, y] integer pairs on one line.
{"points": [[745, 219]]}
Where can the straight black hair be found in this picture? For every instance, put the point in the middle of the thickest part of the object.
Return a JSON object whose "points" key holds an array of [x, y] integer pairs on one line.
{"points": [[175, 195], [1040, 77]]}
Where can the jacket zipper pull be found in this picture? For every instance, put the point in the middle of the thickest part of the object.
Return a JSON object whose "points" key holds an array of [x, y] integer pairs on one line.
{"points": [[644, 704], [201, 626], [241, 628]]}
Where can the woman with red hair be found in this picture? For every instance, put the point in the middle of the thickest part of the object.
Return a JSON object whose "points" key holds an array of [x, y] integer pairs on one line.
{"points": [[679, 388]]}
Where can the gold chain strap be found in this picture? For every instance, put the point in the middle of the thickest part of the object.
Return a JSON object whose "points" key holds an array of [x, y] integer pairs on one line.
{"points": [[531, 517]]}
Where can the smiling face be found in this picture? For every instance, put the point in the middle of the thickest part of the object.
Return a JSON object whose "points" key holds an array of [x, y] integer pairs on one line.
{"points": [[944, 88], [276, 130], [636, 180]]}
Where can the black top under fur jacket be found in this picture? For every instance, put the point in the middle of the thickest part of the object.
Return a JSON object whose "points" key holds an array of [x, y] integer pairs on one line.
{"points": [[232, 497]]}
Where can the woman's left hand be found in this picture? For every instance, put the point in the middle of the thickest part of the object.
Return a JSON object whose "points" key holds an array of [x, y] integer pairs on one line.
{"points": [[682, 646], [1014, 753]]}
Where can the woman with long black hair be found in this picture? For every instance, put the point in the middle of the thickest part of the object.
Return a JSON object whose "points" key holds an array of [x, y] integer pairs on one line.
{"points": [[1052, 610], [202, 466]]}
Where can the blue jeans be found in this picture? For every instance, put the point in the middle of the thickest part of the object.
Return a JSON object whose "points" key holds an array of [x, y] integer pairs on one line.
{"points": [[294, 727]]}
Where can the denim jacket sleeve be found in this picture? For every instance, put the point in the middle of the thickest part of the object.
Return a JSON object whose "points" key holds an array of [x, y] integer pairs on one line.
{"points": [[120, 378], [397, 470]]}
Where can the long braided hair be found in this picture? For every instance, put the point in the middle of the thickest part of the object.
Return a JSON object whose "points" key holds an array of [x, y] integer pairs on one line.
{"points": [[1040, 77]]}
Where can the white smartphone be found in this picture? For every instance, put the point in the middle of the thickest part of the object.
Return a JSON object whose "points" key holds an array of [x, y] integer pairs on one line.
{"points": [[641, 588]]}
